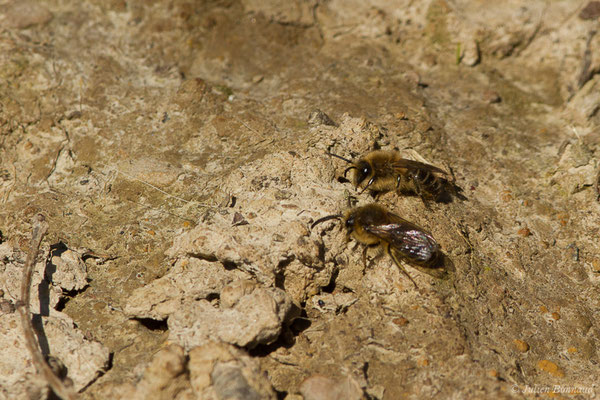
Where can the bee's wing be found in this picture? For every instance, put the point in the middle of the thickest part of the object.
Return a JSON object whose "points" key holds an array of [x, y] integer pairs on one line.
{"points": [[439, 272], [406, 239], [403, 163]]}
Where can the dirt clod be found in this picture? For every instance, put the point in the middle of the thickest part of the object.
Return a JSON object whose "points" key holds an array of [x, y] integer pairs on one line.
{"points": [[179, 152]]}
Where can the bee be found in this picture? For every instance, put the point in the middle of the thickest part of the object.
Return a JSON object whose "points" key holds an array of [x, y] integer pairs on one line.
{"points": [[384, 171], [374, 226]]}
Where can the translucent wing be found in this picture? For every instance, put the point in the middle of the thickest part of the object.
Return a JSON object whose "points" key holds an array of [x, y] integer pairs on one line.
{"points": [[403, 163], [439, 271], [406, 239]]}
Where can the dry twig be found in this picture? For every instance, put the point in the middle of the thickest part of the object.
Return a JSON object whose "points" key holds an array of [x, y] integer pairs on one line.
{"points": [[597, 186], [60, 389]]}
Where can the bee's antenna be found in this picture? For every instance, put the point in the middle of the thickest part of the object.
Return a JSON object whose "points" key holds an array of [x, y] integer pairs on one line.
{"points": [[348, 169], [340, 157], [327, 218], [368, 184]]}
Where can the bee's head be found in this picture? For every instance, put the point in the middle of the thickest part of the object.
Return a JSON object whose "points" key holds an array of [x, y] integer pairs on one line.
{"points": [[358, 220], [363, 171], [362, 167], [349, 222], [371, 214]]}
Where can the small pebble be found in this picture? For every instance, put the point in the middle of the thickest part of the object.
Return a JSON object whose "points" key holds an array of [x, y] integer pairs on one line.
{"points": [[521, 345], [400, 321], [6, 307], [24, 14], [491, 97], [551, 368], [318, 117], [590, 11], [506, 196], [238, 219], [319, 387]]}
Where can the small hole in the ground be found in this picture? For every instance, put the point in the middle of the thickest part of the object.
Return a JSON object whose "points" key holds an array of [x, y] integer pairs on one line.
{"points": [[153, 324], [229, 265], [68, 295], [331, 286], [300, 324], [280, 395], [212, 296]]}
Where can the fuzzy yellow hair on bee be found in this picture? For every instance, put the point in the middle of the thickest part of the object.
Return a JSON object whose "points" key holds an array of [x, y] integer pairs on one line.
{"points": [[384, 171], [374, 226]]}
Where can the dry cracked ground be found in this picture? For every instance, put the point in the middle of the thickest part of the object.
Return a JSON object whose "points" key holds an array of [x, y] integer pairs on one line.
{"points": [[178, 152]]}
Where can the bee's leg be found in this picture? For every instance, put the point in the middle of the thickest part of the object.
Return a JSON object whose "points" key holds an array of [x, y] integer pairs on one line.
{"points": [[373, 258], [400, 266], [453, 178], [419, 190], [399, 184], [425, 202], [368, 184]]}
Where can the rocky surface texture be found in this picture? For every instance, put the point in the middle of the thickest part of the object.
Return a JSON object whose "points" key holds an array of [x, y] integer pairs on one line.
{"points": [[178, 151]]}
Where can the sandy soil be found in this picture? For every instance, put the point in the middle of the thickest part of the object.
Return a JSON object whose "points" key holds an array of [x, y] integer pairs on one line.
{"points": [[178, 152]]}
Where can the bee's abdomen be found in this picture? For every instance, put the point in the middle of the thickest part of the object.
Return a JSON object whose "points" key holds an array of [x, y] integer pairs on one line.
{"points": [[429, 181]]}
